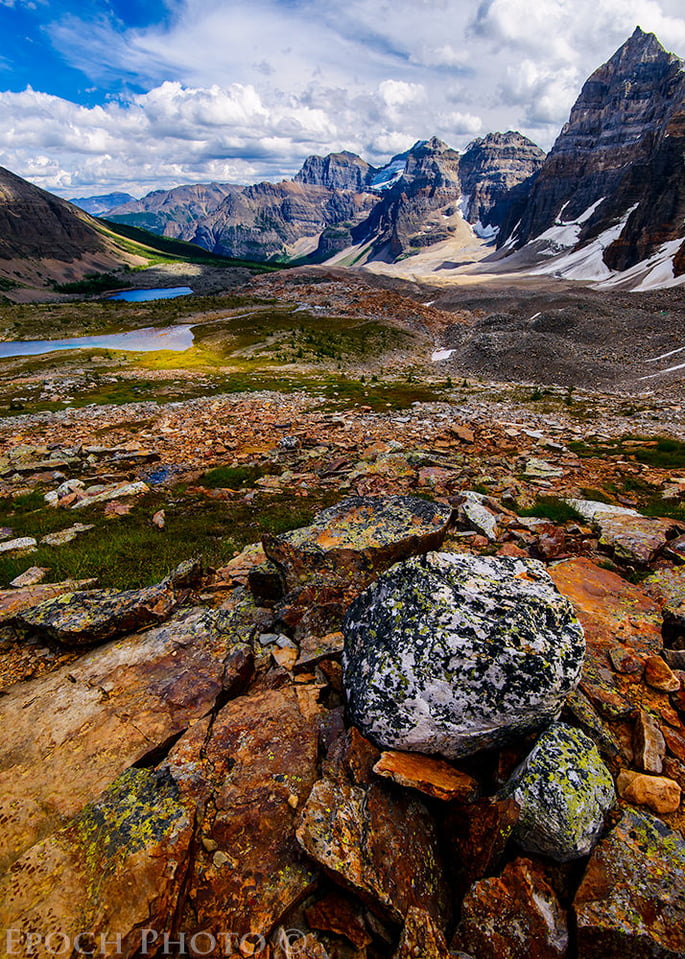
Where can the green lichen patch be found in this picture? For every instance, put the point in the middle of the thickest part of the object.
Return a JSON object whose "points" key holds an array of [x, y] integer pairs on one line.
{"points": [[564, 791]]}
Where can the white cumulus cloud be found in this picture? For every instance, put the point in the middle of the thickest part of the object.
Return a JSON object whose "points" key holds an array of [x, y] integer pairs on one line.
{"points": [[240, 91]]}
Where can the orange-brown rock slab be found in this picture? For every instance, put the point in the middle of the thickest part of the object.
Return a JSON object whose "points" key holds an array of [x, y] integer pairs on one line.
{"points": [[351, 758], [659, 793], [659, 675], [15, 601], [116, 868], [514, 916], [382, 845], [70, 733], [421, 937], [613, 611], [631, 901], [609, 608], [262, 751], [434, 777]]}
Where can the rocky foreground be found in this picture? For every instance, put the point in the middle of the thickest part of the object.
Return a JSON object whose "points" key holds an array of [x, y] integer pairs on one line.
{"points": [[428, 724]]}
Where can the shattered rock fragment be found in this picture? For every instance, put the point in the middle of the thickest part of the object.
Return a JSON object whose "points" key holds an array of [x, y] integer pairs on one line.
{"points": [[348, 829], [660, 794], [434, 777], [649, 745], [514, 916], [421, 936], [632, 897]]}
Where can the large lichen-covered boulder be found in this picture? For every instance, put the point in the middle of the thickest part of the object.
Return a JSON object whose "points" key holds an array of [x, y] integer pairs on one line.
{"points": [[354, 540], [564, 792], [631, 901], [452, 653]]}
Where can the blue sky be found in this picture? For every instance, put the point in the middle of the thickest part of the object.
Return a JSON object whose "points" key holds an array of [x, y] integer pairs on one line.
{"points": [[29, 57], [132, 95]]}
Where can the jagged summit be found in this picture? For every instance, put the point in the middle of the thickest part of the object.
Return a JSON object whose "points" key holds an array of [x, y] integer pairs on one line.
{"points": [[615, 174], [337, 171]]}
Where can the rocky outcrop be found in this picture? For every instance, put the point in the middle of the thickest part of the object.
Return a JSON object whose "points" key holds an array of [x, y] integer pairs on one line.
{"points": [[617, 163], [337, 171], [452, 654], [87, 617], [348, 824], [352, 542], [490, 168]]}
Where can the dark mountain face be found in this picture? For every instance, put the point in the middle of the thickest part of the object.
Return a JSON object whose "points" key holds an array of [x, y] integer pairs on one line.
{"points": [[175, 213], [269, 219], [488, 178], [337, 171], [405, 215], [342, 199], [490, 168], [36, 224], [621, 151]]}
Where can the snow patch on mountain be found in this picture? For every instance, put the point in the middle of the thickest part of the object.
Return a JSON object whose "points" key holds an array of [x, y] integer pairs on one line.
{"points": [[387, 176]]}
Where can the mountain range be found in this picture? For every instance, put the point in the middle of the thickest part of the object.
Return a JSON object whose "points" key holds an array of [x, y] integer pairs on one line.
{"points": [[606, 205], [340, 201]]}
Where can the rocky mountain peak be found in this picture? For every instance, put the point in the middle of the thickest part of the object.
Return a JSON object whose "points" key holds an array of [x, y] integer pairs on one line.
{"points": [[490, 167], [615, 172], [337, 171]]}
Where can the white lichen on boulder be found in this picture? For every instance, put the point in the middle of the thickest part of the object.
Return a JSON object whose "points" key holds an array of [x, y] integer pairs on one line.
{"points": [[451, 653]]}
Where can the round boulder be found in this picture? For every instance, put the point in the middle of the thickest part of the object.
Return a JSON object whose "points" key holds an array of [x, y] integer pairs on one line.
{"points": [[451, 653], [564, 792]]}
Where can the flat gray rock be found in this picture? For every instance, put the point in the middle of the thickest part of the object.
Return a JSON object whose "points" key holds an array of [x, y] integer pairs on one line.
{"points": [[451, 653]]}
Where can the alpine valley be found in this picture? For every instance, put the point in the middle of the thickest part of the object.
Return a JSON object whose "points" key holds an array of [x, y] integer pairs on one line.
{"points": [[342, 551]]}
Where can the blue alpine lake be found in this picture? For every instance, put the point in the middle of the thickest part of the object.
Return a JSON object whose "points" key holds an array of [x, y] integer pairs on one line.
{"points": [[142, 296], [177, 338]]}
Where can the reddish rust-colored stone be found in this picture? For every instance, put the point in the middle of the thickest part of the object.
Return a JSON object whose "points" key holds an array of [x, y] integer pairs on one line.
{"points": [[514, 916], [339, 914]]}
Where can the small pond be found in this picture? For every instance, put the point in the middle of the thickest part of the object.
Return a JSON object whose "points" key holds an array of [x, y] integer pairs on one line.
{"points": [[142, 296]]}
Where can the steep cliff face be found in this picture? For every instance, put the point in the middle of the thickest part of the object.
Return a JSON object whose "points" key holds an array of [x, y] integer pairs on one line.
{"points": [[408, 215], [616, 170], [490, 168], [337, 171]]}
